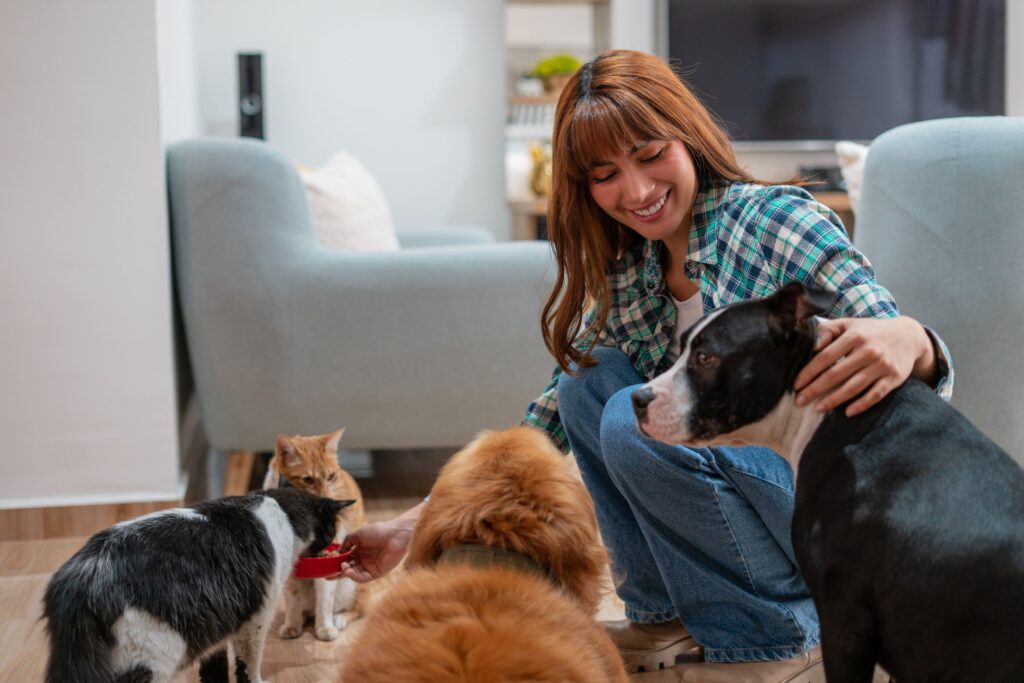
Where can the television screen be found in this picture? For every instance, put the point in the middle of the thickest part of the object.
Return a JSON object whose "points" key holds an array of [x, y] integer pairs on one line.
{"points": [[839, 69]]}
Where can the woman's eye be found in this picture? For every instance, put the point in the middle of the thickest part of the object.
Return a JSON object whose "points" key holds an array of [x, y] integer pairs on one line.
{"points": [[604, 179], [656, 156]]}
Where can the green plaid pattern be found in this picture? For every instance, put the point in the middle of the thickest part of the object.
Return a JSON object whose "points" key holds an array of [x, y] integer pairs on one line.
{"points": [[746, 241]]}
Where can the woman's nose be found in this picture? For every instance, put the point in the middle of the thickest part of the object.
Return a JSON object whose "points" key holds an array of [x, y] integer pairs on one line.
{"points": [[636, 189]]}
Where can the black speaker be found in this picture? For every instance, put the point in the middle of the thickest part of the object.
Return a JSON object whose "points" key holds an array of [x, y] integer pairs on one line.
{"points": [[251, 100]]}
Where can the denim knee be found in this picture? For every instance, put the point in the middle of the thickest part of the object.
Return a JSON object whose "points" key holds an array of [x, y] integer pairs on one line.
{"points": [[622, 443], [582, 387]]}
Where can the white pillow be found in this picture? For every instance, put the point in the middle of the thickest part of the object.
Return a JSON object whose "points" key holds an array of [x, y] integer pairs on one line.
{"points": [[347, 206], [851, 164]]}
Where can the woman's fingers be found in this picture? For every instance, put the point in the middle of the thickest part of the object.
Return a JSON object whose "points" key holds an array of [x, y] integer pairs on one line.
{"points": [[876, 393], [356, 572], [831, 345], [826, 331], [852, 387], [823, 372]]}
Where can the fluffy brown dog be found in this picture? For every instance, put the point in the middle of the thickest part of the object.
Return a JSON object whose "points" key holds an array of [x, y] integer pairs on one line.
{"points": [[506, 572]]}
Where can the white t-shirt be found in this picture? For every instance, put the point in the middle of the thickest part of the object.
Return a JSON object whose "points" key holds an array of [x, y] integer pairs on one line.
{"points": [[687, 313]]}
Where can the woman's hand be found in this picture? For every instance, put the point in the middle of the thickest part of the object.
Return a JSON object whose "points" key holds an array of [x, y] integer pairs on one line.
{"points": [[379, 547], [865, 358]]}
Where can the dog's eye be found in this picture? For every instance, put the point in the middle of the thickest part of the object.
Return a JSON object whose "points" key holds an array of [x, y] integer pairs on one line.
{"points": [[701, 358]]}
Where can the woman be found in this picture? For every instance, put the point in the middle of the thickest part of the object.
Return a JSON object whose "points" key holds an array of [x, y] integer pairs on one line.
{"points": [[653, 224]]}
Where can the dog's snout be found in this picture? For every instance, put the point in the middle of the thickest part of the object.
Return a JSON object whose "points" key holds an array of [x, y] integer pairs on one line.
{"points": [[641, 399]]}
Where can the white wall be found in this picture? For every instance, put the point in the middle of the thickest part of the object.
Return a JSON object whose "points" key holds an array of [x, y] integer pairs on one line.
{"points": [[179, 101], [86, 395], [414, 90], [1015, 57]]}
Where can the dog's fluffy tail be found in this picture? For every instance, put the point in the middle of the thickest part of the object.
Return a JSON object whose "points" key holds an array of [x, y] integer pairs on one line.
{"points": [[80, 642]]}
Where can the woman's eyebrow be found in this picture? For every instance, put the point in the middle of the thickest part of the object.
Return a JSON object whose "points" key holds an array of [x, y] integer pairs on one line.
{"points": [[637, 146]]}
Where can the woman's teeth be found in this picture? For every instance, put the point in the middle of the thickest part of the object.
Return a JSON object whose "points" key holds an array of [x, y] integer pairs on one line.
{"points": [[654, 208]]}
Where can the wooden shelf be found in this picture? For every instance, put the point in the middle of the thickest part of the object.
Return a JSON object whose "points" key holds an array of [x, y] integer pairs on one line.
{"points": [[533, 99]]}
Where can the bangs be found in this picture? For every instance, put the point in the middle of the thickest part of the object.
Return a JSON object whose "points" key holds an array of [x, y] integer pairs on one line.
{"points": [[602, 128]]}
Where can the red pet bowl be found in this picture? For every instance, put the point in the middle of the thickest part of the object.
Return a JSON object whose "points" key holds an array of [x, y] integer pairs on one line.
{"points": [[322, 565]]}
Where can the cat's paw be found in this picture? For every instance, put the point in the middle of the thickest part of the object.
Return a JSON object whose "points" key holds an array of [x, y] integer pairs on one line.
{"points": [[289, 631], [340, 621], [327, 632]]}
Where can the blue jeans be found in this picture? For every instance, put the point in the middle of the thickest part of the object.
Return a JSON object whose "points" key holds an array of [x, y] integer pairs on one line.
{"points": [[698, 534]]}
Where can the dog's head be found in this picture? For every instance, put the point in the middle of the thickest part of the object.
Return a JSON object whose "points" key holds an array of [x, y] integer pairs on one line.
{"points": [[515, 491], [736, 364]]}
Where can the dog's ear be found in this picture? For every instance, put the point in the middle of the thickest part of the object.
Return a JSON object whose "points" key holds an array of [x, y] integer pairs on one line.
{"points": [[791, 309]]}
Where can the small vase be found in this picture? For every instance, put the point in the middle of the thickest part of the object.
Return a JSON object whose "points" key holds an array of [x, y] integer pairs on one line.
{"points": [[553, 84]]}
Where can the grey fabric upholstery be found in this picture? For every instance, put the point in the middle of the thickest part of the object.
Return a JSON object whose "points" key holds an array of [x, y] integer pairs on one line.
{"points": [[942, 220], [418, 348]]}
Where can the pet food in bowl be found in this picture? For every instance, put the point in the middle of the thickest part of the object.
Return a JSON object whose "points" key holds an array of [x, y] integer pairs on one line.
{"points": [[327, 563]]}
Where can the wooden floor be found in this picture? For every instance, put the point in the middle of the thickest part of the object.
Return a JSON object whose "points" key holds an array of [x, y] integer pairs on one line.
{"points": [[26, 566]]}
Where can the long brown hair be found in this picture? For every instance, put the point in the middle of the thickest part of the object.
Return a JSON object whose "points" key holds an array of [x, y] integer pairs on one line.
{"points": [[619, 98]]}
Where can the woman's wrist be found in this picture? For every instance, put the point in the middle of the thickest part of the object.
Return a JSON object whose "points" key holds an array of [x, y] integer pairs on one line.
{"points": [[925, 366], [406, 522]]}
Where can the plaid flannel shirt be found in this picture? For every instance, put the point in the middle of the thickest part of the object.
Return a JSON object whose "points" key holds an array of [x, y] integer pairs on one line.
{"points": [[746, 241]]}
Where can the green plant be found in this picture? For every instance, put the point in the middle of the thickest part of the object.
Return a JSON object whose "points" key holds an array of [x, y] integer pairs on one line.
{"points": [[555, 65]]}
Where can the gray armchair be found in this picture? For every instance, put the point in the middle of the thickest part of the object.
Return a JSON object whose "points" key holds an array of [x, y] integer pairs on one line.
{"points": [[942, 221], [418, 348]]}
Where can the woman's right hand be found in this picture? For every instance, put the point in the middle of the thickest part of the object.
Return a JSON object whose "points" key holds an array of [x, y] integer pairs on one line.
{"points": [[379, 547]]}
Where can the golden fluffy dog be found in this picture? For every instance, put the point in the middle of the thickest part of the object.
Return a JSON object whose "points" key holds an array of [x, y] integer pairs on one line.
{"points": [[506, 572]]}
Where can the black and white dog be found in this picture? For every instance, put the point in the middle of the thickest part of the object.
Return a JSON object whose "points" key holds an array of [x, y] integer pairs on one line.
{"points": [[909, 522]]}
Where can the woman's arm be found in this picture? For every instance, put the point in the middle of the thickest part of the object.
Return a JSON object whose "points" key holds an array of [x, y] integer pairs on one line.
{"points": [[867, 349]]}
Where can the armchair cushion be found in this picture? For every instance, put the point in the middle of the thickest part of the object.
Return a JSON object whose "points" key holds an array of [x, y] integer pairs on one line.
{"points": [[348, 207]]}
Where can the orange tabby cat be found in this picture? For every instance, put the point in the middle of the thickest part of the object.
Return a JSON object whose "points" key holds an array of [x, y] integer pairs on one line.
{"points": [[311, 463]]}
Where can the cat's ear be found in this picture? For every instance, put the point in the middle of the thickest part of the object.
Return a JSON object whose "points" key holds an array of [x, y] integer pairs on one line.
{"points": [[285, 452], [334, 439], [273, 478], [338, 505]]}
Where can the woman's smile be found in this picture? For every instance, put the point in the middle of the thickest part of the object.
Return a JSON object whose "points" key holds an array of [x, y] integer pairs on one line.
{"points": [[652, 212]]}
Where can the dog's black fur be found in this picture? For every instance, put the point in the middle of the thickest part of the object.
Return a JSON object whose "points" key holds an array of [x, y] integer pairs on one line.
{"points": [[909, 522], [909, 530]]}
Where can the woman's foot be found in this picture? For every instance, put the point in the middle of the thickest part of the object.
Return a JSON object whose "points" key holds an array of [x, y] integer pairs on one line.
{"points": [[649, 647]]}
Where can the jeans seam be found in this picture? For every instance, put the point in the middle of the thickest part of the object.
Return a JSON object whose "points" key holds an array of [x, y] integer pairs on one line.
{"points": [[761, 479]]}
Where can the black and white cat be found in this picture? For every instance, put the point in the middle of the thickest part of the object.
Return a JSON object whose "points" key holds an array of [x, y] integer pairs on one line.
{"points": [[148, 597]]}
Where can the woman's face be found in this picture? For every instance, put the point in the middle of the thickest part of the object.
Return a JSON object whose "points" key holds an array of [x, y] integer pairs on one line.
{"points": [[649, 188]]}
